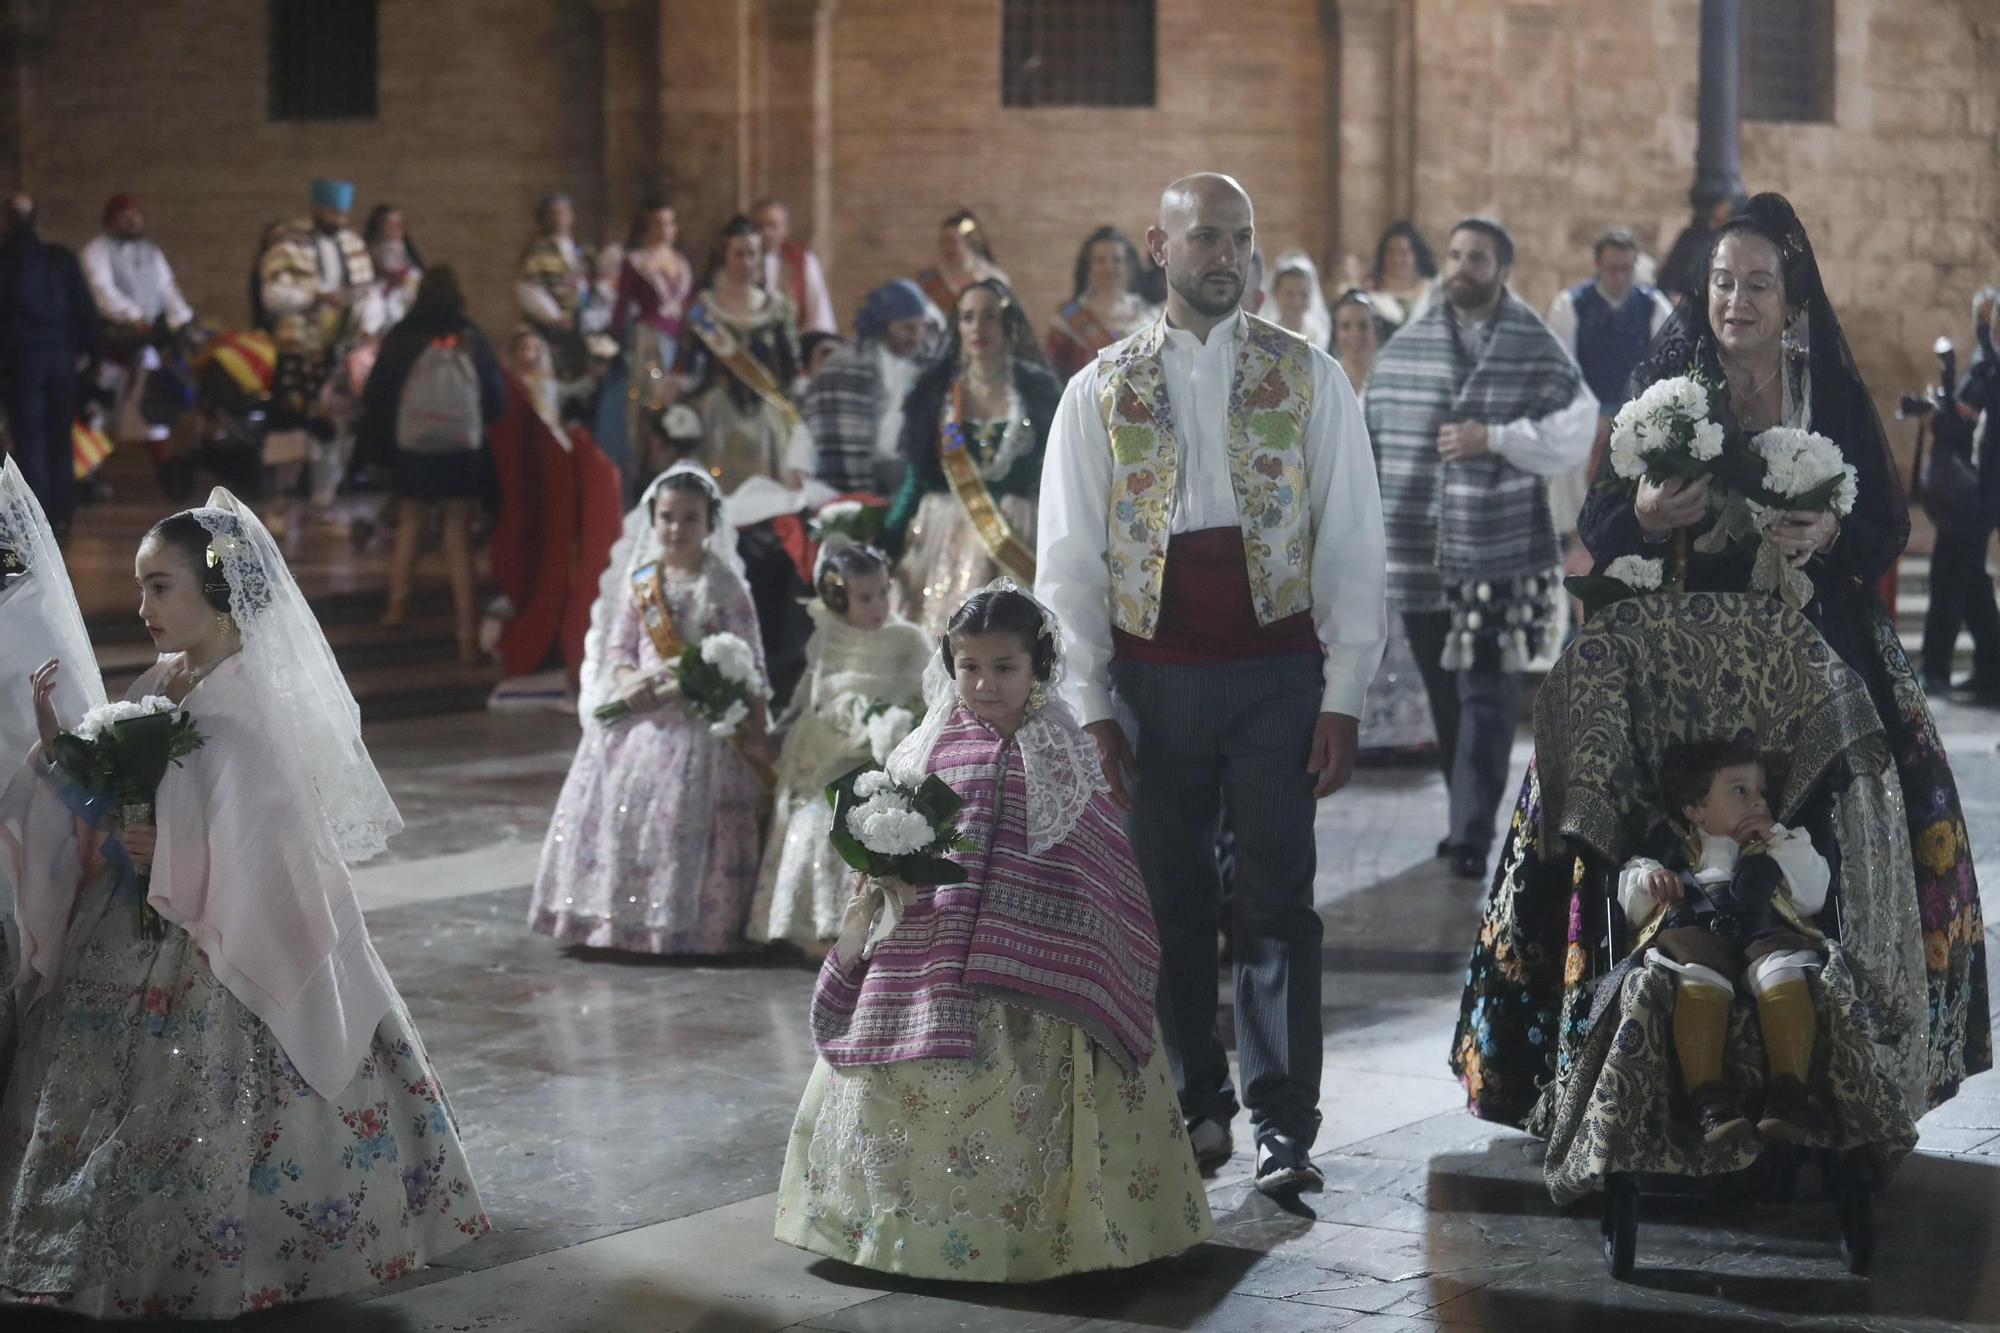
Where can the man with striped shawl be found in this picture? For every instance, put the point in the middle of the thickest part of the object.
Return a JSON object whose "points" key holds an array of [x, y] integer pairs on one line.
{"points": [[1470, 407]]}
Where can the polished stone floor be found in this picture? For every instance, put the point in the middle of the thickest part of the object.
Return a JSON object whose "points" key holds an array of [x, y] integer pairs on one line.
{"points": [[627, 1119]]}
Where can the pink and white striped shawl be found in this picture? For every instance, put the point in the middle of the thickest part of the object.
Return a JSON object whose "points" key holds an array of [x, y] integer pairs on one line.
{"points": [[1068, 933]]}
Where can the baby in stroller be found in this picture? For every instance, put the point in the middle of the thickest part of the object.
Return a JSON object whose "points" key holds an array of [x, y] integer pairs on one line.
{"points": [[1728, 898]]}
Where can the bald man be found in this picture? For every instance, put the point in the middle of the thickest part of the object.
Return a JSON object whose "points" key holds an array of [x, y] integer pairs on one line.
{"points": [[1211, 538]]}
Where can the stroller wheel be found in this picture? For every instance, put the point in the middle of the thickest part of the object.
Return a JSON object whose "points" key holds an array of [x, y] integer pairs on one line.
{"points": [[1621, 1226], [1857, 1227]]}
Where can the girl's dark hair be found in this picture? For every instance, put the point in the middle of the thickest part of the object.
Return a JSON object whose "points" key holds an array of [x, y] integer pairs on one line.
{"points": [[1002, 610], [975, 235], [1426, 263], [843, 564], [1689, 768], [1106, 233], [371, 235], [740, 225], [692, 485], [635, 235], [438, 291], [184, 533]]}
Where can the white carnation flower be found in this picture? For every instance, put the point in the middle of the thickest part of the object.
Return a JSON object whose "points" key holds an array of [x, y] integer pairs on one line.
{"points": [[886, 825], [840, 511], [872, 784], [732, 718], [1636, 572], [886, 731], [735, 659], [1707, 441]]}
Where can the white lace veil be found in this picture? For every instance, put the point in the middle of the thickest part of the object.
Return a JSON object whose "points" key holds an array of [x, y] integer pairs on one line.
{"points": [[636, 547], [42, 619], [307, 705], [1061, 761], [1317, 327]]}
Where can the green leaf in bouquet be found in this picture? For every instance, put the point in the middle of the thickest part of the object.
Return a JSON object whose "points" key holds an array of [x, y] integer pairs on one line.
{"points": [[936, 801], [1818, 500], [932, 870], [77, 757]]}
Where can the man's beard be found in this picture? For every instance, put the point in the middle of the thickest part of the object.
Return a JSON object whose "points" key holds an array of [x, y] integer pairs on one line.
{"points": [[1465, 295], [1209, 308]]}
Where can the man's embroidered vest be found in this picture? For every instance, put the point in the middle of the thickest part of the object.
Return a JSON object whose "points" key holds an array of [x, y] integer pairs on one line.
{"points": [[1270, 399]]}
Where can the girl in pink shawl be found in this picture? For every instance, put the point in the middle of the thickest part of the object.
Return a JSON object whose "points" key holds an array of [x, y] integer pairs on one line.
{"points": [[230, 1111], [988, 1105]]}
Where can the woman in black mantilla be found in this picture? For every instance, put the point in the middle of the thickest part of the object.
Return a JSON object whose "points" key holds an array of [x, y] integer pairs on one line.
{"points": [[1766, 340], [990, 389]]}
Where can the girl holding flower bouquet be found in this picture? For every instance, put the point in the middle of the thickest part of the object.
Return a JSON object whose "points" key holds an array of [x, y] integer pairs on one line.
{"points": [[218, 1102], [863, 694], [990, 1104], [653, 848], [1804, 486]]}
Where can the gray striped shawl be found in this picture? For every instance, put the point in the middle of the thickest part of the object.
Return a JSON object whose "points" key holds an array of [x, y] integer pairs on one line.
{"points": [[1477, 519]]}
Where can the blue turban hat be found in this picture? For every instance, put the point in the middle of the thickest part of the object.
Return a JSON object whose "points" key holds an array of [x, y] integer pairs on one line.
{"points": [[333, 194], [899, 298]]}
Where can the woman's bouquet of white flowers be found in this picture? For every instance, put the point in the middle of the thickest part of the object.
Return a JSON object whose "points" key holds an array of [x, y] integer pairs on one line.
{"points": [[890, 831], [1665, 433], [124, 749], [1627, 576], [716, 678], [853, 519], [1786, 470], [886, 724]]}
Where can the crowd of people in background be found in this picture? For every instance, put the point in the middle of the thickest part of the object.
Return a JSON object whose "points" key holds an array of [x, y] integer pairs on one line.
{"points": [[629, 357]]}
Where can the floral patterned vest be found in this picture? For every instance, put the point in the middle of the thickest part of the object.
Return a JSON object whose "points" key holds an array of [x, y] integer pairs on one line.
{"points": [[1269, 401]]}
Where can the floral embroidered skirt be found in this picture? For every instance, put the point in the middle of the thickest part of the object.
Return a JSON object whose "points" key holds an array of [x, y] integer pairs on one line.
{"points": [[944, 561], [653, 848], [1037, 1157], [160, 1157]]}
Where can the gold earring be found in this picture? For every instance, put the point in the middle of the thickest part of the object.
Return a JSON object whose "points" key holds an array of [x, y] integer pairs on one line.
{"points": [[224, 621], [1037, 696]]}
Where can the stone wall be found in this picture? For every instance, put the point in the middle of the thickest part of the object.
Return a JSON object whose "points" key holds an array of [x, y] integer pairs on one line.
{"points": [[478, 116], [1340, 115]]}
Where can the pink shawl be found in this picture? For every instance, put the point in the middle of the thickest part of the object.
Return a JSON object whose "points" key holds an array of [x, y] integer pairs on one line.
{"points": [[1068, 933], [245, 865]]}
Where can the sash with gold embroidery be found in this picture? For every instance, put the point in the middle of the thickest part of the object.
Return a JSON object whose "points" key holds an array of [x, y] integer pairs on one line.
{"points": [[736, 358], [1085, 328], [961, 470], [938, 289], [654, 617]]}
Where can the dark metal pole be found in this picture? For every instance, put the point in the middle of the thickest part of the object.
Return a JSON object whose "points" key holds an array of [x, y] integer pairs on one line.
{"points": [[1717, 168]]}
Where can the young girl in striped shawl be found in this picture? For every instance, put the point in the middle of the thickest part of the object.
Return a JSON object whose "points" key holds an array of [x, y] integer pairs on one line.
{"points": [[988, 1104]]}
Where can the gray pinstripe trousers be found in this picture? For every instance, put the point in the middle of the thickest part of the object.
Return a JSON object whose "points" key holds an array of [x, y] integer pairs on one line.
{"points": [[1244, 728]]}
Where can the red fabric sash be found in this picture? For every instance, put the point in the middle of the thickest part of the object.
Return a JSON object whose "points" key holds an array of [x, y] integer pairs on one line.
{"points": [[1206, 611]]}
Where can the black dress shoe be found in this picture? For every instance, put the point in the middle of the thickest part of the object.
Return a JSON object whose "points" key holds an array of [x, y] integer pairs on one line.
{"points": [[1445, 849], [1934, 683], [1466, 863]]}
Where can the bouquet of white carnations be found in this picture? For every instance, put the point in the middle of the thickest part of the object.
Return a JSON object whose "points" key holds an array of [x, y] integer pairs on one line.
{"points": [[1665, 433], [886, 724], [890, 831], [1627, 576], [853, 519], [125, 748], [1787, 470], [716, 678]]}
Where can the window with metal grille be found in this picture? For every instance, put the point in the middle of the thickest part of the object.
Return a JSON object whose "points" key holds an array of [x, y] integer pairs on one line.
{"points": [[1077, 52], [322, 59], [1788, 60]]}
